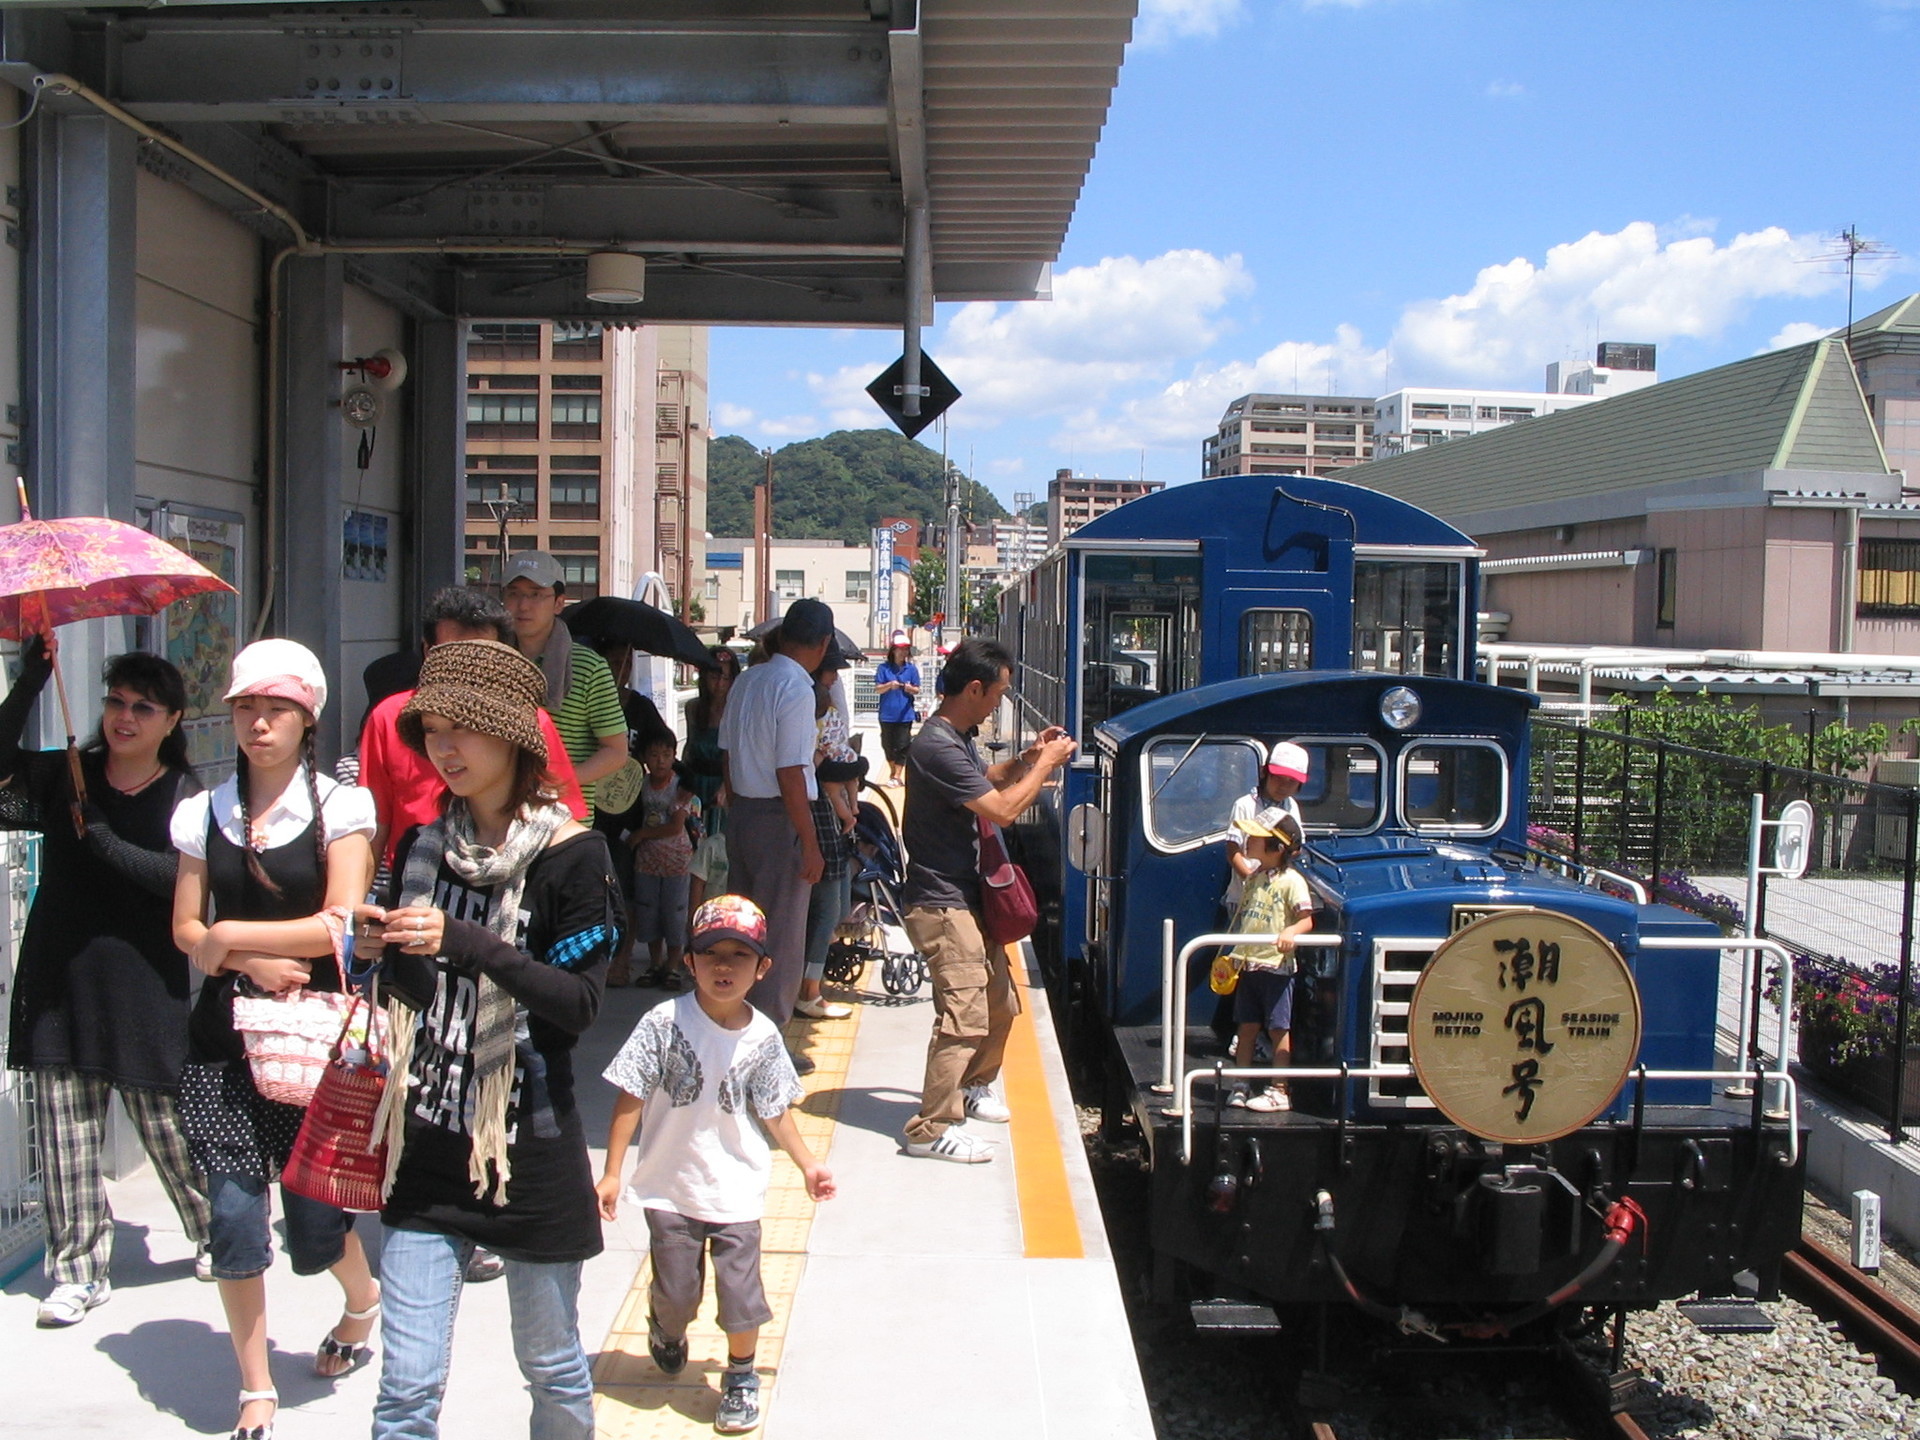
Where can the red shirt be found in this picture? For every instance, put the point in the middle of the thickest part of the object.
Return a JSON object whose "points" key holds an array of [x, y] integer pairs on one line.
{"points": [[407, 790]]}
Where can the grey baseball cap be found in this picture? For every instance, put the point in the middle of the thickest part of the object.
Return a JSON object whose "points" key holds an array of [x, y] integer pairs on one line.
{"points": [[535, 565]]}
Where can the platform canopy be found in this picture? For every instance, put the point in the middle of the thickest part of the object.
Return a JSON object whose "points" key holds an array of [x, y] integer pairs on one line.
{"points": [[764, 156]]}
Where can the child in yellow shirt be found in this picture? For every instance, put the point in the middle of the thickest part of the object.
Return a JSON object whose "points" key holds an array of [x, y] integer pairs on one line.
{"points": [[1276, 901]]}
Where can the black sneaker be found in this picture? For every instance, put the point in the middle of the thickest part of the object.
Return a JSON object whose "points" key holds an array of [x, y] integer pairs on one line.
{"points": [[801, 1064], [483, 1266], [739, 1402], [669, 1355]]}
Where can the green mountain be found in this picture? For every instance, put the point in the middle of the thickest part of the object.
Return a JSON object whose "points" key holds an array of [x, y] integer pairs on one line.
{"points": [[836, 487]]}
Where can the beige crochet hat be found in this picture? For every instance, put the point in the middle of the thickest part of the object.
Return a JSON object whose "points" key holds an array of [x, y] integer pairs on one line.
{"points": [[483, 685]]}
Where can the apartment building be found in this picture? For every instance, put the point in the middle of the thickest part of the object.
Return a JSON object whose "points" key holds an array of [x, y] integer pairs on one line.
{"points": [[1018, 544], [1073, 500], [1290, 435], [829, 570], [587, 441]]}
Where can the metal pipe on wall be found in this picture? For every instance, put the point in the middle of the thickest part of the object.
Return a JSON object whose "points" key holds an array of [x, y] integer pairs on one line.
{"points": [[916, 262]]}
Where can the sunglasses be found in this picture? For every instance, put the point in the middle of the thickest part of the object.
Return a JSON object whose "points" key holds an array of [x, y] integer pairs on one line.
{"points": [[141, 710]]}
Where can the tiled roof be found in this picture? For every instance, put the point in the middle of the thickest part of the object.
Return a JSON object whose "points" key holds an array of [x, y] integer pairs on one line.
{"points": [[1794, 409]]}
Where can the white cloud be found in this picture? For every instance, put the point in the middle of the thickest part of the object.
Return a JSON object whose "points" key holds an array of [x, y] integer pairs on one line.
{"points": [[732, 417], [1798, 332], [1505, 89], [1628, 285], [1115, 324], [1011, 466], [1164, 21]]}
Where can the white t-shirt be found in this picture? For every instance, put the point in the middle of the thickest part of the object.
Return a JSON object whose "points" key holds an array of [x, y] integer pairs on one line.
{"points": [[769, 727], [348, 810], [1245, 808], [703, 1153]]}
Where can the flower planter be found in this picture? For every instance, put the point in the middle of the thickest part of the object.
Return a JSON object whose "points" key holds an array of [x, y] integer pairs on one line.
{"points": [[1866, 1081]]}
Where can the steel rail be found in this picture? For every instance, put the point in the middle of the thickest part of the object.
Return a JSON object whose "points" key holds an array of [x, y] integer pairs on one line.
{"points": [[1865, 1309]]}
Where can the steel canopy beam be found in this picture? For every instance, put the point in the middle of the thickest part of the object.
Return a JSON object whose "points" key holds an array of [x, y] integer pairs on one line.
{"points": [[300, 70]]}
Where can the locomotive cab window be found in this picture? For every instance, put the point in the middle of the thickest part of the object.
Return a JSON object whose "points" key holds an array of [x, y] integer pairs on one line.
{"points": [[1406, 616], [1190, 785], [1275, 640], [1459, 788], [1142, 636], [1343, 792]]}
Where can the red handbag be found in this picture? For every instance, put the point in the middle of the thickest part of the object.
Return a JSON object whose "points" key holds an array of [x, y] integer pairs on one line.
{"points": [[1008, 911], [337, 1159]]}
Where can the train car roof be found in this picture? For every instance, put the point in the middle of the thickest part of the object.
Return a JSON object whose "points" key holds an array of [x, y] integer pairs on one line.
{"points": [[1206, 508], [1324, 701]]}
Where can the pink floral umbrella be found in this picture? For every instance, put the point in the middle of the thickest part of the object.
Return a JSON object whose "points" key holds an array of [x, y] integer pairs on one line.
{"points": [[54, 572]]}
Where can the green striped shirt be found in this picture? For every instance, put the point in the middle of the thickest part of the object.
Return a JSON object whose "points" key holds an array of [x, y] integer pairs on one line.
{"points": [[590, 712]]}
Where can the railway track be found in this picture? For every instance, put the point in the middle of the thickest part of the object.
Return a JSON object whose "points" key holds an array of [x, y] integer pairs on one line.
{"points": [[1870, 1315]]}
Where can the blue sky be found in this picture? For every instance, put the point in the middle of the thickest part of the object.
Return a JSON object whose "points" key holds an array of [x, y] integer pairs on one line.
{"points": [[1374, 193]]}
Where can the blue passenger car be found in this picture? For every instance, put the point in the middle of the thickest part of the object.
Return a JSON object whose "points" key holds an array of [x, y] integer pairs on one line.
{"points": [[1178, 637]]}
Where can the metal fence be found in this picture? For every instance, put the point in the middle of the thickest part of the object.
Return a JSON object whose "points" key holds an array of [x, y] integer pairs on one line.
{"points": [[1678, 819], [19, 1156]]}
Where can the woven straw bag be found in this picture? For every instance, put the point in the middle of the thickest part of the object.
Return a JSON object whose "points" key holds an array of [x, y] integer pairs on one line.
{"points": [[290, 1038]]}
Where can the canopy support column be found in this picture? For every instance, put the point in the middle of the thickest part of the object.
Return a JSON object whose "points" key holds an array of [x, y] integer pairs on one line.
{"points": [[77, 352], [437, 528], [310, 510]]}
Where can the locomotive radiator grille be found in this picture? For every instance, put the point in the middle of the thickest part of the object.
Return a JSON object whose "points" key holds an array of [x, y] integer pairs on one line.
{"points": [[1397, 964]]}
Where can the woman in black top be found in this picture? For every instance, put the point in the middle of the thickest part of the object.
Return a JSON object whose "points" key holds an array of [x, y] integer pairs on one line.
{"points": [[497, 936], [100, 992], [268, 862]]}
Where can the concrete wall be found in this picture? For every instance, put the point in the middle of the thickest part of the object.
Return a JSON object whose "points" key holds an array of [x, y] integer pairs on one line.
{"points": [[1800, 609]]}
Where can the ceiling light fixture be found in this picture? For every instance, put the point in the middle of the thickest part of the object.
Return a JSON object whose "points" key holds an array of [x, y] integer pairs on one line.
{"points": [[615, 277]]}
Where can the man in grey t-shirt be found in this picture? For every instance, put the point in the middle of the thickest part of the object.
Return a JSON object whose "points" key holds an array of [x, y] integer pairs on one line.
{"points": [[973, 995]]}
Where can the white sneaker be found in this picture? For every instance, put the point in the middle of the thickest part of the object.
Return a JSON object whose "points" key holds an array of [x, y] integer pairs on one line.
{"points": [[954, 1144], [821, 1009], [983, 1104], [69, 1304], [203, 1264]]}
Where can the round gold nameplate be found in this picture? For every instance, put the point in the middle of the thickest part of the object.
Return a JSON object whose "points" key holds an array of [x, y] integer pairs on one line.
{"points": [[1524, 1026]]}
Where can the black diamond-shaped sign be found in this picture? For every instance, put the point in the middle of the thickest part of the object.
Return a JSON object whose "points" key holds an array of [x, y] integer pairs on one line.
{"points": [[941, 392]]}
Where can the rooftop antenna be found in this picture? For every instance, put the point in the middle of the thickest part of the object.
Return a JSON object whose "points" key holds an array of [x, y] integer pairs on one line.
{"points": [[1850, 246]]}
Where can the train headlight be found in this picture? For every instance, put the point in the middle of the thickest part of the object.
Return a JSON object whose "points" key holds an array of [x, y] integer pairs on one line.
{"points": [[1400, 708]]}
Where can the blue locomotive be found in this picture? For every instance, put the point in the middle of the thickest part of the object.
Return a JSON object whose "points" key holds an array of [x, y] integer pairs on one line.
{"points": [[1178, 637]]}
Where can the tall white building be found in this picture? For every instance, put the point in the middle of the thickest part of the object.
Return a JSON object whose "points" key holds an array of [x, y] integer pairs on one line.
{"points": [[1413, 418]]}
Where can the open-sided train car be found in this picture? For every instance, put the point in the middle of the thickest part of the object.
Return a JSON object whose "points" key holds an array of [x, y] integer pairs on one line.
{"points": [[1571, 1150]]}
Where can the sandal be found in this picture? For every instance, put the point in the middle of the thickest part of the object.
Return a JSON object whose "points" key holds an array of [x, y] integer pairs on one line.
{"points": [[334, 1357], [257, 1432]]}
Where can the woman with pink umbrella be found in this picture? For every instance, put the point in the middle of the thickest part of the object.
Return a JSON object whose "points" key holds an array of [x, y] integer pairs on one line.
{"points": [[100, 993]]}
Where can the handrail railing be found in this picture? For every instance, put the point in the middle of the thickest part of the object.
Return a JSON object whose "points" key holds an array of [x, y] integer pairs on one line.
{"points": [[1751, 985], [1173, 987], [1790, 1090]]}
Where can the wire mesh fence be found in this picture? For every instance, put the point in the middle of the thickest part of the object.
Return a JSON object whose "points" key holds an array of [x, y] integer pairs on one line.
{"points": [[1679, 820], [20, 1193]]}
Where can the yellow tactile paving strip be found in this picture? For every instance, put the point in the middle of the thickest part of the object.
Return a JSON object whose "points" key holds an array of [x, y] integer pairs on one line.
{"points": [[634, 1400]]}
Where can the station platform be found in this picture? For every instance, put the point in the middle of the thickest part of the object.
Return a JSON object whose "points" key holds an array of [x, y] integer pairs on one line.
{"points": [[956, 1300]]}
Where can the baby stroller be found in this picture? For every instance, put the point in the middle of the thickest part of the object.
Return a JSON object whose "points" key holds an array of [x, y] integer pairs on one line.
{"points": [[875, 928]]}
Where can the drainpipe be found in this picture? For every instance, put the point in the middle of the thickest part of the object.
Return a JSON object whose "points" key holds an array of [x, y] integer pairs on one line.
{"points": [[1849, 573]]}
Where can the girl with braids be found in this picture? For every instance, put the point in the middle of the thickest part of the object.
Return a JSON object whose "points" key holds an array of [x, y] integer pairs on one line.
{"points": [[100, 996], [503, 917], [267, 862]]}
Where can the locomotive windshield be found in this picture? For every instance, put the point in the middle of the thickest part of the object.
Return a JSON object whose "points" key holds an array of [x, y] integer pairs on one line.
{"points": [[1191, 784], [1343, 790], [1142, 636], [1456, 788]]}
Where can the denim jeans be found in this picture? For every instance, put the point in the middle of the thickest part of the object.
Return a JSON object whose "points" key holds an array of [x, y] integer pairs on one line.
{"points": [[421, 1274]]}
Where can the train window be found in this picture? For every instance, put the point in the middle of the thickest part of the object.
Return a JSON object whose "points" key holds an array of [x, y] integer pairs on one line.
{"points": [[1406, 616], [1191, 783], [1142, 637], [1343, 790], [1457, 788], [1275, 640]]}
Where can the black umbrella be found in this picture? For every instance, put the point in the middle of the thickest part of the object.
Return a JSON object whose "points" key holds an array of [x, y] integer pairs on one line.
{"points": [[634, 622], [848, 649]]}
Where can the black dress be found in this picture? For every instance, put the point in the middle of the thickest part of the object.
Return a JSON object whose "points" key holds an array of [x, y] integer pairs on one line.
{"points": [[100, 987], [231, 1128]]}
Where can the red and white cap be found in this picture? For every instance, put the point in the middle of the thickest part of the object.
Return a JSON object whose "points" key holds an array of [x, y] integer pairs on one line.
{"points": [[282, 669], [1288, 759], [899, 637]]}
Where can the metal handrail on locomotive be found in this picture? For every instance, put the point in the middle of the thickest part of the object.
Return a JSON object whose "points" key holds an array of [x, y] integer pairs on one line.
{"points": [[1503, 1078]]}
